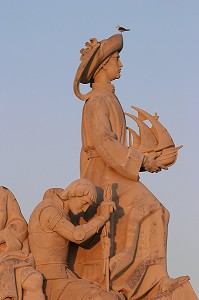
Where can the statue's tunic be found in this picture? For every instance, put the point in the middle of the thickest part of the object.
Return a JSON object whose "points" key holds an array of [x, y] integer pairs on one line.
{"points": [[106, 159]]}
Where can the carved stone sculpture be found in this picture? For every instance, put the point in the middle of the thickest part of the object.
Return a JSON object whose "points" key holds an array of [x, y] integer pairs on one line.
{"points": [[50, 231], [18, 279], [138, 229], [105, 235]]}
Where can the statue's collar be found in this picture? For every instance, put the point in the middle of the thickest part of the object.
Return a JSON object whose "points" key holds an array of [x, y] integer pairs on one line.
{"points": [[103, 86]]}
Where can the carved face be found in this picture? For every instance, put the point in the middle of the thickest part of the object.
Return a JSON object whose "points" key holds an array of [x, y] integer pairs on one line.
{"points": [[78, 204], [113, 67]]}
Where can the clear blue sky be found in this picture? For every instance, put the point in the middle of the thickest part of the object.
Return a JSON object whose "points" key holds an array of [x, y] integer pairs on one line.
{"points": [[41, 118]]}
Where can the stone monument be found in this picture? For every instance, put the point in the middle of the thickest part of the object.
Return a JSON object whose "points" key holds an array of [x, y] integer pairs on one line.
{"points": [[105, 235]]}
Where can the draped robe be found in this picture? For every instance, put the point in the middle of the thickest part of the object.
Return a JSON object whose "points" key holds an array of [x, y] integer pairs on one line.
{"points": [[106, 160]]}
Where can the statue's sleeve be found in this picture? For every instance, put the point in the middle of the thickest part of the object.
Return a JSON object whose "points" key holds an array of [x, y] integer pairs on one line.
{"points": [[52, 220], [125, 161]]}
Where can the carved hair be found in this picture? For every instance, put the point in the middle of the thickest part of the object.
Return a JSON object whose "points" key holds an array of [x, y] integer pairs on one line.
{"points": [[79, 188]]}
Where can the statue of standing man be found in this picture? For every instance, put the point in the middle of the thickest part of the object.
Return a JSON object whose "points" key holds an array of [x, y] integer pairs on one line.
{"points": [[139, 228]]}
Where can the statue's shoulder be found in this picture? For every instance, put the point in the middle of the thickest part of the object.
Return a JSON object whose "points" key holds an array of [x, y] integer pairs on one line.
{"points": [[99, 98], [40, 208], [47, 213], [96, 94]]}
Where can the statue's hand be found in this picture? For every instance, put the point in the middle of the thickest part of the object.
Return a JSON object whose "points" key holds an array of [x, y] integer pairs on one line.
{"points": [[107, 207], [119, 262], [151, 165]]}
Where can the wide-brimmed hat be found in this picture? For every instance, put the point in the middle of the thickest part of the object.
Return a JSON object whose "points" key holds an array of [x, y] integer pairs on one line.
{"points": [[92, 57]]}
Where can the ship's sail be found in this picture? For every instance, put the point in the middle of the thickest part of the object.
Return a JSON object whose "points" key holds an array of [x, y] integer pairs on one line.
{"points": [[152, 139]]}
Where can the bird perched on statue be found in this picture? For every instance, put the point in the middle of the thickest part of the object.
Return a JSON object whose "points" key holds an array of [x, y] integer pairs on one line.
{"points": [[121, 29]]}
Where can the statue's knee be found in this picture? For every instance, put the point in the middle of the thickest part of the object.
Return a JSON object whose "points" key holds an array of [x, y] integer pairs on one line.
{"points": [[33, 282]]}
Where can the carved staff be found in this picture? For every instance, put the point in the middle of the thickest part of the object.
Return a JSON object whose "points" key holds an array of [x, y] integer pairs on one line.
{"points": [[106, 241]]}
